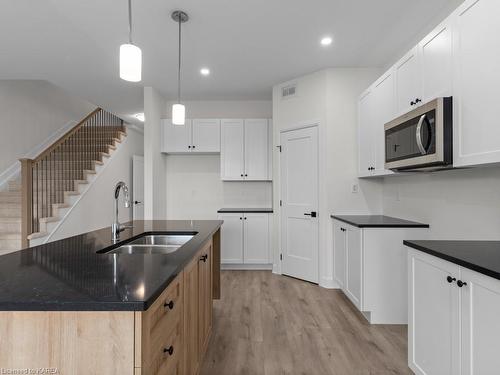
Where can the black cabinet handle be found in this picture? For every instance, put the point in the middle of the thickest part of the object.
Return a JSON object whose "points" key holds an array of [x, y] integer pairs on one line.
{"points": [[418, 100], [169, 350], [241, 175], [170, 305], [189, 146], [244, 218], [193, 147], [137, 202], [241, 218], [412, 103], [343, 229], [450, 279], [246, 175], [461, 283], [203, 258]]}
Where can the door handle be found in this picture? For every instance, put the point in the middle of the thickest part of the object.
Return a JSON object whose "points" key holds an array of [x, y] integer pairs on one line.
{"points": [[312, 214], [137, 202]]}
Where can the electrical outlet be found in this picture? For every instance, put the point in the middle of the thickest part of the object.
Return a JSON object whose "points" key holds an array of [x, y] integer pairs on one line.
{"points": [[354, 188]]}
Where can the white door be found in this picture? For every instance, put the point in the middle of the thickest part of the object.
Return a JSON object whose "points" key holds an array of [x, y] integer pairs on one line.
{"points": [[408, 82], [436, 59], [176, 138], [480, 326], [299, 194], [232, 238], [256, 149], [383, 110], [365, 134], [256, 238], [206, 135], [476, 56], [354, 265], [232, 155], [138, 187], [339, 249], [433, 325]]}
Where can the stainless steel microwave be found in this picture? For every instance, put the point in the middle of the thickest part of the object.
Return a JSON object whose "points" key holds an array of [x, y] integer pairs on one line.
{"points": [[421, 139]]}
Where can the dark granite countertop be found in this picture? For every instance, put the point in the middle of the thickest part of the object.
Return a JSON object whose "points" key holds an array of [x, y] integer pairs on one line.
{"points": [[245, 209], [69, 275], [378, 221], [480, 256]]}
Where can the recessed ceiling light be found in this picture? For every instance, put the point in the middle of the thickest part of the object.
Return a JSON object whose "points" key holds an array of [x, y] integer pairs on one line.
{"points": [[326, 41], [205, 71], [139, 116]]}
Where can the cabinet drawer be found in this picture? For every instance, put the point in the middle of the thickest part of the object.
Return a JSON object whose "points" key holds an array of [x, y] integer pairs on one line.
{"points": [[166, 307], [166, 351]]}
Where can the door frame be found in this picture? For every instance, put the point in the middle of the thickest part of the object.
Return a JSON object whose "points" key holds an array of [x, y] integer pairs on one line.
{"points": [[306, 125]]}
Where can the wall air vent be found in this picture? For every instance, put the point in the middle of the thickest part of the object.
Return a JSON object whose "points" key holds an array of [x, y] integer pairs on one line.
{"points": [[288, 91]]}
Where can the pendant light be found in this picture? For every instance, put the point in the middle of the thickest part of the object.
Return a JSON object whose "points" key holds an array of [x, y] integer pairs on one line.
{"points": [[130, 55], [178, 109]]}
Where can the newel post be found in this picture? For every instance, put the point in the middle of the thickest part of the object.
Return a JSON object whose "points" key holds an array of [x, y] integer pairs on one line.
{"points": [[26, 200]]}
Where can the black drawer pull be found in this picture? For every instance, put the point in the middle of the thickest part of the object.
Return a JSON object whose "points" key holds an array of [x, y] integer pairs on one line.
{"points": [[450, 279], [204, 258], [169, 350], [461, 283], [170, 305]]}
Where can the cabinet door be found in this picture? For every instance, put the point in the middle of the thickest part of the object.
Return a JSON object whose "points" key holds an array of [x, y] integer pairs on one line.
{"points": [[476, 81], [407, 73], [365, 134], [256, 149], [433, 324], [205, 296], [256, 238], [191, 318], [206, 135], [232, 150], [436, 60], [354, 265], [383, 111], [232, 238], [339, 256], [176, 138], [480, 328]]}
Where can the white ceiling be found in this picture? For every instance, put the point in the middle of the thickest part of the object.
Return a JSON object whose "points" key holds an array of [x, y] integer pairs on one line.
{"points": [[248, 45]]}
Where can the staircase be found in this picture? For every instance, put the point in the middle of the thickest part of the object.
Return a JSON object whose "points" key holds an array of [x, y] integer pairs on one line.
{"points": [[52, 182], [10, 218]]}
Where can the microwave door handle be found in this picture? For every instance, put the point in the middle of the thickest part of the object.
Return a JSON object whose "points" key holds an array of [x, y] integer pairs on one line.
{"points": [[418, 134]]}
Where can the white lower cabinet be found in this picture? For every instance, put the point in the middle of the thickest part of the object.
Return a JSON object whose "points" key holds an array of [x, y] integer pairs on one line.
{"points": [[370, 268], [452, 330], [246, 240]]}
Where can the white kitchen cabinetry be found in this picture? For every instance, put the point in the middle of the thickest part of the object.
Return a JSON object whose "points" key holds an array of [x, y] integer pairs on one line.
{"points": [[476, 77], [452, 329], [245, 149], [370, 268], [246, 240], [376, 107], [407, 72], [196, 136]]}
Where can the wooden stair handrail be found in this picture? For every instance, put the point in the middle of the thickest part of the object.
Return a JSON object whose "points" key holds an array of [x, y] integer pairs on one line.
{"points": [[66, 135]]}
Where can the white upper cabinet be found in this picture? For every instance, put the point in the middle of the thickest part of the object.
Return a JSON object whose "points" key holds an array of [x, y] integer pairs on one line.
{"points": [[407, 72], [365, 139], [256, 149], [206, 135], [176, 138], [437, 63], [196, 136], [476, 77], [232, 150], [245, 150]]}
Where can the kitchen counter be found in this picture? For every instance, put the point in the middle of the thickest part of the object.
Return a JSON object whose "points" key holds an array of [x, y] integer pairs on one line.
{"points": [[243, 209], [68, 275], [378, 221], [479, 256]]}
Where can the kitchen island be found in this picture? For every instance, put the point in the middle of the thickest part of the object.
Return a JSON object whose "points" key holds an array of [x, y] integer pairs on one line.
{"points": [[73, 307]]}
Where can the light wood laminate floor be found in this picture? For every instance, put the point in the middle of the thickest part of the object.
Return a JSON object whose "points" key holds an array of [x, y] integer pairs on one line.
{"points": [[270, 324]]}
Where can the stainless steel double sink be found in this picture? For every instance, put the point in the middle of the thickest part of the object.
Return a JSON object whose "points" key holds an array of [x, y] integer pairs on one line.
{"points": [[153, 244]]}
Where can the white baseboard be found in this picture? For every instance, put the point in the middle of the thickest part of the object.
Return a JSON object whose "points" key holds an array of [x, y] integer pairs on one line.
{"points": [[15, 169], [328, 283], [247, 267]]}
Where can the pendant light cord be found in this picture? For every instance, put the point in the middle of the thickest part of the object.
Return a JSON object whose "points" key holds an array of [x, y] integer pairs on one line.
{"points": [[179, 70], [130, 21]]}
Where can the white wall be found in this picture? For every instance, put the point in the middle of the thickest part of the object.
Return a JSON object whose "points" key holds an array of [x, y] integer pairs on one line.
{"points": [[95, 209], [194, 189], [458, 204], [327, 98], [155, 202], [30, 112]]}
